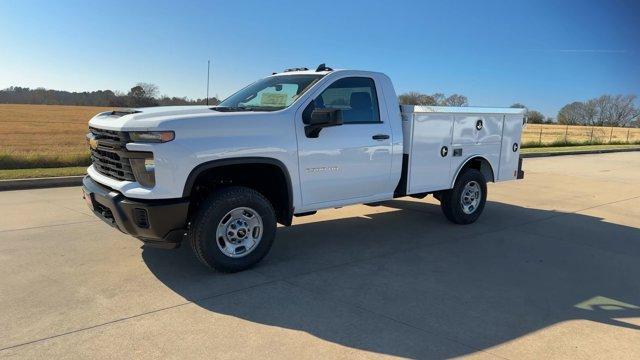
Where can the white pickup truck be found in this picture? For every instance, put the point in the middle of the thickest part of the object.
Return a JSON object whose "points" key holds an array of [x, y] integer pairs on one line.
{"points": [[288, 145]]}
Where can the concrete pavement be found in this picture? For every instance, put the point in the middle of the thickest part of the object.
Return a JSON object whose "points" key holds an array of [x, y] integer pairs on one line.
{"points": [[550, 270]]}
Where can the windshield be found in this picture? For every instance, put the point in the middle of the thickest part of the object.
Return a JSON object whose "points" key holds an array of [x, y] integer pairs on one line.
{"points": [[269, 94]]}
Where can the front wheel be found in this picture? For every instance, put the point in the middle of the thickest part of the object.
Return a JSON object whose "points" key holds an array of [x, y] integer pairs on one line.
{"points": [[233, 229], [464, 203]]}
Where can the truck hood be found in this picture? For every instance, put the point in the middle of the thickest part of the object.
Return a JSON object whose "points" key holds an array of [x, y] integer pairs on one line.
{"points": [[149, 118]]}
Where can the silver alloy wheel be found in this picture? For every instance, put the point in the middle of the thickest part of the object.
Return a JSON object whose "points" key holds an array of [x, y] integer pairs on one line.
{"points": [[239, 232], [470, 198]]}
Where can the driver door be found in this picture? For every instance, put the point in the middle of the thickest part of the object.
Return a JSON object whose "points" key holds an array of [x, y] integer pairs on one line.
{"points": [[351, 162]]}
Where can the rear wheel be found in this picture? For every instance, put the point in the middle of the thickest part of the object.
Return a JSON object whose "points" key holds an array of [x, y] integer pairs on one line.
{"points": [[233, 229], [465, 202]]}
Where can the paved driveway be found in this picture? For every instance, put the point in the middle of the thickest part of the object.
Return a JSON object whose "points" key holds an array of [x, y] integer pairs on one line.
{"points": [[551, 270]]}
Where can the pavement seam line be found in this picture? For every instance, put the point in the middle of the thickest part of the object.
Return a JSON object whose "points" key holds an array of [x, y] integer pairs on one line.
{"points": [[126, 318], [75, 211], [52, 225], [605, 204]]}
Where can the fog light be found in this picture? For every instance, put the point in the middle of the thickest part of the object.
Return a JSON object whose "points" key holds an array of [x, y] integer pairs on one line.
{"points": [[141, 218], [144, 171], [149, 165]]}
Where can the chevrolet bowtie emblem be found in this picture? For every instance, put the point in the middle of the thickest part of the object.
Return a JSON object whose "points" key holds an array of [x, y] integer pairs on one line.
{"points": [[91, 140]]}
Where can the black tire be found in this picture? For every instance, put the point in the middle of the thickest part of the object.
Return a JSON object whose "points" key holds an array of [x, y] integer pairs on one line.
{"points": [[202, 233], [451, 205]]}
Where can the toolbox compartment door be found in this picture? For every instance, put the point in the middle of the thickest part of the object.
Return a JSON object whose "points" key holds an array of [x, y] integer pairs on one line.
{"points": [[510, 150], [430, 152]]}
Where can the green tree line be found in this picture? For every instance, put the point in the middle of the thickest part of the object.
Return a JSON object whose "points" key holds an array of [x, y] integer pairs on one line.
{"points": [[140, 95]]}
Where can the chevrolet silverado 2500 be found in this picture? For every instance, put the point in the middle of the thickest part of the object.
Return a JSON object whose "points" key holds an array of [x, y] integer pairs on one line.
{"points": [[222, 177]]}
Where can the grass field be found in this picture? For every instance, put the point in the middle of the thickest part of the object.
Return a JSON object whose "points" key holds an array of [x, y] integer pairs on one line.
{"points": [[52, 136], [41, 136], [562, 135]]}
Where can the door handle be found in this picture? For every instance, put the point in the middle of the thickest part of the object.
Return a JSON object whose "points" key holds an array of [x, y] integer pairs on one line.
{"points": [[380, 137]]}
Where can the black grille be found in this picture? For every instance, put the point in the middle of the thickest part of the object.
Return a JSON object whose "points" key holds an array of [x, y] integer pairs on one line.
{"points": [[109, 157]]}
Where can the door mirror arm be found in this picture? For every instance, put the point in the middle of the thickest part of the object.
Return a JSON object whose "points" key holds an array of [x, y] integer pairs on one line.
{"points": [[321, 118]]}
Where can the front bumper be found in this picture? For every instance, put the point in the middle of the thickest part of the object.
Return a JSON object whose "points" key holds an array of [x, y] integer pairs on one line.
{"points": [[160, 223]]}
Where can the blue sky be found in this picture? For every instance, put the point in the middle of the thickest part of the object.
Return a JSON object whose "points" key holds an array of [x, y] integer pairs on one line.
{"points": [[540, 53]]}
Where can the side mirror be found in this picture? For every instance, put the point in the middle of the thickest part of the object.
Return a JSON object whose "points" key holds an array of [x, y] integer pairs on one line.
{"points": [[322, 118]]}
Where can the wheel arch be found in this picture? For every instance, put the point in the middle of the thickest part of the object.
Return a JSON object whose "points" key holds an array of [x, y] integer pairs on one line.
{"points": [[285, 214], [478, 162]]}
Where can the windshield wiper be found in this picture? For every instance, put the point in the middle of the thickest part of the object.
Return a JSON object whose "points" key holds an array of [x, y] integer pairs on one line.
{"points": [[245, 108], [229, 108], [264, 108]]}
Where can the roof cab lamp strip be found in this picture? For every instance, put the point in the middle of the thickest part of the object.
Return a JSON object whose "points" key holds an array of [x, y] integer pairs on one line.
{"points": [[320, 68]]}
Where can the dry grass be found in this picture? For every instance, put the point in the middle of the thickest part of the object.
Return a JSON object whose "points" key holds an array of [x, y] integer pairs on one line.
{"points": [[558, 135], [44, 135]]}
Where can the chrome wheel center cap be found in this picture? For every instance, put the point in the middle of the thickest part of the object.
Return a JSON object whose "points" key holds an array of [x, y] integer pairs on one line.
{"points": [[239, 232], [471, 197]]}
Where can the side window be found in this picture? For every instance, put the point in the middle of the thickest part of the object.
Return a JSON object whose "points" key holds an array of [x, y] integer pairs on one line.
{"points": [[355, 96]]}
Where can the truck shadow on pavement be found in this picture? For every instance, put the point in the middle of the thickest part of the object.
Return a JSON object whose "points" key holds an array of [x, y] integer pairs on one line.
{"points": [[401, 280]]}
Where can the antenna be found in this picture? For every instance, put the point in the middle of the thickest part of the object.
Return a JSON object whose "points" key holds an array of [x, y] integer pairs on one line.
{"points": [[208, 66]]}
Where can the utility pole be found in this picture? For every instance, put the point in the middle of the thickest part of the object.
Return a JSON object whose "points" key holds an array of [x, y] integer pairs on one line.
{"points": [[208, 66]]}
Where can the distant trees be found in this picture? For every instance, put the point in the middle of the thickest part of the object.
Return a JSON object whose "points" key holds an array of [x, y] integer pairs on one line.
{"points": [[456, 100], [23, 95], [533, 116], [437, 99], [571, 114], [140, 95], [415, 98], [606, 110]]}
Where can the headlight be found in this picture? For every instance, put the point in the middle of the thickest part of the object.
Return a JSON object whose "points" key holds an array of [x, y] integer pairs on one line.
{"points": [[144, 170], [152, 136]]}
